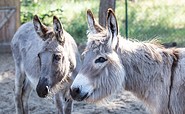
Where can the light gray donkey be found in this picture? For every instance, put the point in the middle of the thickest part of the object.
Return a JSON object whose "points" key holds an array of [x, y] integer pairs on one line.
{"points": [[154, 74], [46, 59]]}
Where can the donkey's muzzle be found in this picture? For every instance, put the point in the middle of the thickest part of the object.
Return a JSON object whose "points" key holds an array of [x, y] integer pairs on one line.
{"points": [[77, 95], [42, 89]]}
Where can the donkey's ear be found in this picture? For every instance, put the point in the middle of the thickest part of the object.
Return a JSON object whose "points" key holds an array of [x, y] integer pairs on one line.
{"points": [[93, 26], [58, 29], [112, 28], [40, 29]]}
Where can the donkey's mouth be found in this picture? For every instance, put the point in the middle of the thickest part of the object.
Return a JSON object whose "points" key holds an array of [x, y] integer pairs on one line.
{"points": [[86, 97], [82, 98], [93, 97]]}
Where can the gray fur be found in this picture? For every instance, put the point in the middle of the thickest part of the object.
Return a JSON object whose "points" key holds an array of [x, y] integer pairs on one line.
{"points": [[33, 47], [151, 72]]}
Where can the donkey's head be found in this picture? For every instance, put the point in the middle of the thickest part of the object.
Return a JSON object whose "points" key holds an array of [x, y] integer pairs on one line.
{"points": [[102, 72], [53, 59]]}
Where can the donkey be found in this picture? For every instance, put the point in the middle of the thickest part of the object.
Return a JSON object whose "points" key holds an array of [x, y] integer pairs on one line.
{"points": [[151, 72], [47, 60]]}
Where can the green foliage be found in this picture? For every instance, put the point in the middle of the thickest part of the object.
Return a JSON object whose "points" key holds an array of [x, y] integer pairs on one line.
{"points": [[147, 19], [77, 28], [30, 9], [71, 13], [153, 19]]}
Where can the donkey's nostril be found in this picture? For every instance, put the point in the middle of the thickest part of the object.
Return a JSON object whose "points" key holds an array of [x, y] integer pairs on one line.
{"points": [[76, 90]]}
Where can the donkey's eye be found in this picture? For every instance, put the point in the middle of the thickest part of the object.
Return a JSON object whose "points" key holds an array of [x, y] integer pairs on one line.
{"points": [[100, 60], [56, 57]]}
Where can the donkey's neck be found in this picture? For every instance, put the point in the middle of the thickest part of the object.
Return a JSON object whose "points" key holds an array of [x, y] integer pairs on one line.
{"points": [[148, 69]]}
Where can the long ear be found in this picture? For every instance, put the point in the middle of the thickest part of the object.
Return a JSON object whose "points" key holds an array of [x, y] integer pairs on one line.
{"points": [[58, 29], [112, 28], [40, 29], [93, 26]]}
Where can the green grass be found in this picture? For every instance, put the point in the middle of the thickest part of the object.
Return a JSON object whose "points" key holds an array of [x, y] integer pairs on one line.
{"points": [[164, 20]]}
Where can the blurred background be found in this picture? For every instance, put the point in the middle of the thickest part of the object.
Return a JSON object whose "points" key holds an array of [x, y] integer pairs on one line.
{"points": [[147, 19]]}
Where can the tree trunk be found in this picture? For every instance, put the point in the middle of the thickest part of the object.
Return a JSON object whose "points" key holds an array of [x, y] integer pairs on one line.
{"points": [[104, 6]]}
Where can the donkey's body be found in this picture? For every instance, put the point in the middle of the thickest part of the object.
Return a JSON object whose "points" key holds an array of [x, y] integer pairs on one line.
{"points": [[155, 75], [26, 47], [151, 72]]}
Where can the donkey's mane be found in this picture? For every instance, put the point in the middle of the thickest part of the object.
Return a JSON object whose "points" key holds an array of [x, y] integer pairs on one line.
{"points": [[101, 38], [152, 47], [94, 40], [155, 42]]}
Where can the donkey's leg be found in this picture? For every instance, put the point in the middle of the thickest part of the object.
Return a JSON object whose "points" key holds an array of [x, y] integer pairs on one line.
{"points": [[19, 82], [68, 106], [58, 103], [64, 106], [25, 96]]}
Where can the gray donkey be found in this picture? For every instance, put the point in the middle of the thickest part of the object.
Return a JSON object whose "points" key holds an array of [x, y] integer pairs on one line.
{"points": [[47, 60], [154, 74]]}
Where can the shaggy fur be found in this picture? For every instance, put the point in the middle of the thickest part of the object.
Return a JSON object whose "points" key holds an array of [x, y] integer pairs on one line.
{"points": [[151, 72], [47, 60]]}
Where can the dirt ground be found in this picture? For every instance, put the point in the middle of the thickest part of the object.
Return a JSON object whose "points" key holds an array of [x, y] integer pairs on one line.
{"points": [[124, 103]]}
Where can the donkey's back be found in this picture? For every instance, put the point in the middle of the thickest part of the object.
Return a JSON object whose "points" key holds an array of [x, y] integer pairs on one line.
{"points": [[26, 45]]}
